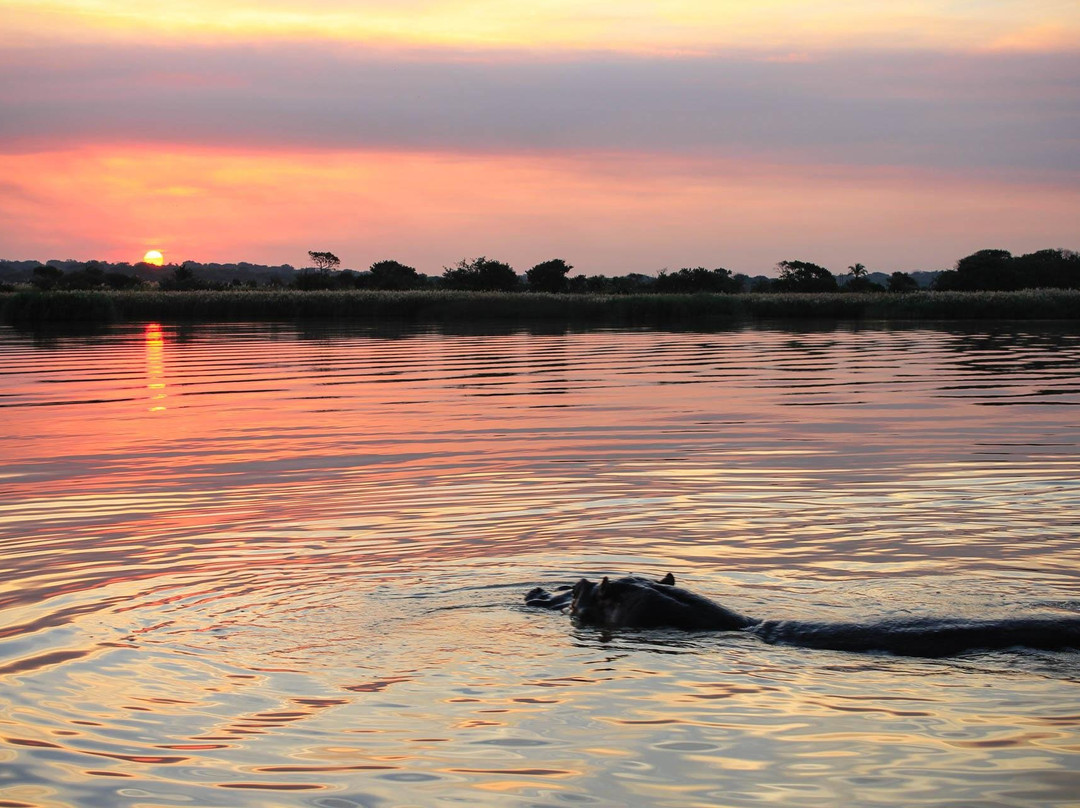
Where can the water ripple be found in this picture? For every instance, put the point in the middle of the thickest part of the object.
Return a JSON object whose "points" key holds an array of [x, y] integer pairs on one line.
{"points": [[241, 564]]}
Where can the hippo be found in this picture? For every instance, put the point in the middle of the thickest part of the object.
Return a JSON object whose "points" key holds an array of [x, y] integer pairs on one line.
{"points": [[541, 598], [635, 602]]}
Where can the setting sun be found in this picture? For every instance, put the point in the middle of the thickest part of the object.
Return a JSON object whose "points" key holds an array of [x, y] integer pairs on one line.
{"points": [[154, 257]]}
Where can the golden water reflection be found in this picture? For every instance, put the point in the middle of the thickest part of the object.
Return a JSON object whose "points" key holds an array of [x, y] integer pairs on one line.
{"points": [[155, 367], [304, 574]]}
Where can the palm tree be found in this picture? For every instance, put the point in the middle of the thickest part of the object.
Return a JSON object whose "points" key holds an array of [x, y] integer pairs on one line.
{"points": [[857, 271]]}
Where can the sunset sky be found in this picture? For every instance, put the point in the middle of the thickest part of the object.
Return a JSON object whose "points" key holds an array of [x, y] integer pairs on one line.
{"points": [[621, 136]]}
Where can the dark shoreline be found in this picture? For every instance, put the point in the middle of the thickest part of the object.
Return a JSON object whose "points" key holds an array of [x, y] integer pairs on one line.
{"points": [[34, 307]]}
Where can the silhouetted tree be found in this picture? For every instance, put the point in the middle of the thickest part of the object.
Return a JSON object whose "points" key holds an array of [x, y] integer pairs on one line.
{"points": [[594, 284], [480, 274], [1058, 269], [947, 281], [308, 281], [985, 269], [902, 282], [324, 260], [696, 279], [858, 281], [91, 277], [1000, 270], [632, 284], [988, 269], [394, 275], [549, 276], [322, 277], [118, 280], [802, 276], [46, 277], [181, 280]]}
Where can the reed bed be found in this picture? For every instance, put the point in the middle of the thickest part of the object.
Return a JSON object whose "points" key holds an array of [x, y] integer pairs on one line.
{"points": [[28, 307]]}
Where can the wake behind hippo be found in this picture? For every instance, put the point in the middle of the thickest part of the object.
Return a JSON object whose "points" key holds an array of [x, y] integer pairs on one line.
{"points": [[634, 602]]}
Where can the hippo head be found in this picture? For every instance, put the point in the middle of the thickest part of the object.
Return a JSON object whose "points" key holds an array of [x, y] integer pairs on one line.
{"points": [[586, 604], [600, 603], [605, 603]]}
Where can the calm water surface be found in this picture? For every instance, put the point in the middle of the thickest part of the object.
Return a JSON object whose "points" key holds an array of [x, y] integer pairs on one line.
{"points": [[263, 566]]}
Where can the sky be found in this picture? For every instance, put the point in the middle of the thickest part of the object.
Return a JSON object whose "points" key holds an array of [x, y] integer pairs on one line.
{"points": [[626, 136]]}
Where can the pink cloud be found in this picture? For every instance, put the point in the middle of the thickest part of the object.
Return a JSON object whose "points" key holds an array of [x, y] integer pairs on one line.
{"points": [[606, 213]]}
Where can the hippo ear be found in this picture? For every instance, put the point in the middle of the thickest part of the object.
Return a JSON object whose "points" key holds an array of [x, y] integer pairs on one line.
{"points": [[668, 580], [603, 586]]}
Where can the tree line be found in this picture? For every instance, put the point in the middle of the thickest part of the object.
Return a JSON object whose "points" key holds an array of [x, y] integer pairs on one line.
{"points": [[985, 270]]}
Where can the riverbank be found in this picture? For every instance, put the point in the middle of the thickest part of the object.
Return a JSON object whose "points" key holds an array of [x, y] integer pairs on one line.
{"points": [[30, 307]]}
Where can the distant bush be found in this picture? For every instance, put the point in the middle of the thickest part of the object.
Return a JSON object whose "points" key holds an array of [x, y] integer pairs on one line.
{"points": [[1049, 269], [46, 277], [594, 284], [310, 280], [803, 276], [902, 282], [999, 270], [480, 275], [697, 279], [633, 284], [184, 279], [395, 276], [92, 275], [549, 276]]}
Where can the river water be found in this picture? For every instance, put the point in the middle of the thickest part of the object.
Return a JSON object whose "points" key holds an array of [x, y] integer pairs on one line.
{"points": [[257, 565]]}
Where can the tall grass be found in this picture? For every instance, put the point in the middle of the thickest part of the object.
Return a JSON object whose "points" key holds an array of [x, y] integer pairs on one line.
{"points": [[30, 307]]}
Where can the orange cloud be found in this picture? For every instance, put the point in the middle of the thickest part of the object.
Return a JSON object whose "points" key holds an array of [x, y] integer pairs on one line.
{"points": [[605, 213], [1038, 37]]}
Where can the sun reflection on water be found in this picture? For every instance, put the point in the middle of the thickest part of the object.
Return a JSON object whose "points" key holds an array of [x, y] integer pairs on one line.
{"points": [[155, 367]]}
